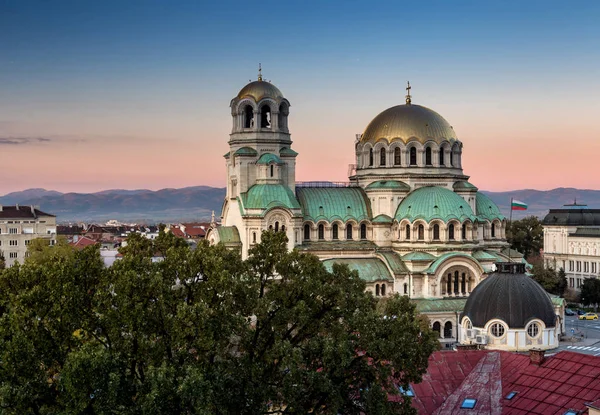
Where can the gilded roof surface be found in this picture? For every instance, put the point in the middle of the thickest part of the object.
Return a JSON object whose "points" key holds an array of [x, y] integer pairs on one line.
{"points": [[266, 196], [259, 90], [433, 202], [369, 269], [486, 209], [269, 158], [333, 203], [388, 185], [406, 123], [515, 299]]}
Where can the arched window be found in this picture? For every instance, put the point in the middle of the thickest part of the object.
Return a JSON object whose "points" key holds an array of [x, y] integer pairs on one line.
{"points": [[451, 232], [377, 290], [441, 156], [335, 231], [276, 226], [449, 284], [248, 117], [463, 283], [265, 117], [467, 323], [382, 157], [253, 237], [307, 232], [497, 330], [349, 231], [363, 231], [436, 327], [455, 282], [413, 156], [321, 231], [397, 159], [464, 232], [370, 157], [436, 232], [272, 168], [282, 228], [383, 290], [408, 232], [493, 230], [448, 330], [451, 158], [282, 117], [421, 232], [428, 156]]}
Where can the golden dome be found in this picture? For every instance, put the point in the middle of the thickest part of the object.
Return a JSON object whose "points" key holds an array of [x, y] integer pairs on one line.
{"points": [[406, 123], [260, 89]]}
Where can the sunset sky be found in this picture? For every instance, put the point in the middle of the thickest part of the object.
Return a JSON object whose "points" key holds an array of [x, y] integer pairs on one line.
{"points": [[134, 94]]}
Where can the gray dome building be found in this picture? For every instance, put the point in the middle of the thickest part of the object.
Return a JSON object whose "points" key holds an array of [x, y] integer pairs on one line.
{"points": [[509, 311]]}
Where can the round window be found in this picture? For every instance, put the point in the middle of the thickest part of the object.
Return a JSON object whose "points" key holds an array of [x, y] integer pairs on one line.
{"points": [[497, 330], [533, 329]]}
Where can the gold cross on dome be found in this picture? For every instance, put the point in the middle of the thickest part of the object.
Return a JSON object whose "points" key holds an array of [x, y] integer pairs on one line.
{"points": [[259, 72], [408, 88]]}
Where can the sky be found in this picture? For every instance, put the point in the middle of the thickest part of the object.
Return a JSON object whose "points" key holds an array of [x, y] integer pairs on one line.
{"points": [[133, 94]]}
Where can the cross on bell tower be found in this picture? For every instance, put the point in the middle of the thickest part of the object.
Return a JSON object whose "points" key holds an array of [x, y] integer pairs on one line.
{"points": [[408, 88]]}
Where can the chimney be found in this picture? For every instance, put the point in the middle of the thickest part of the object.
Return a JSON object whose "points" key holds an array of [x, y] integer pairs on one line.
{"points": [[0, 208], [536, 356], [17, 206]]}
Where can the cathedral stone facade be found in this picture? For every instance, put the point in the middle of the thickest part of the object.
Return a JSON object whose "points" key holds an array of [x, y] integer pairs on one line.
{"points": [[408, 219]]}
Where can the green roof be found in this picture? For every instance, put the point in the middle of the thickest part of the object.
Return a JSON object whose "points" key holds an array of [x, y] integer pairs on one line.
{"points": [[267, 196], [226, 155], [339, 245], [245, 151], [512, 253], [269, 158], [229, 235], [433, 202], [382, 219], [388, 184], [331, 203], [287, 152], [418, 256], [440, 305], [557, 301], [484, 256], [439, 260], [394, 262], [486, 209], [463, 185], [369, 269]]}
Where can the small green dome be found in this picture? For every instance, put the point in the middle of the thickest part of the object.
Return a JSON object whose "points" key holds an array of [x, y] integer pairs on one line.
{"points": [[388, 185], [486, 209], [433, 202]]}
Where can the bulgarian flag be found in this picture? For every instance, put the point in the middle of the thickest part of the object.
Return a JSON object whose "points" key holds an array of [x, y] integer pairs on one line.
{"points": [[517, 205]]}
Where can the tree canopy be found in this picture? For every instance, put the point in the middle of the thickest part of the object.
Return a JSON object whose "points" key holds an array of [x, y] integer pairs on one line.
{"points": [[590, 292], [526, 236], [202, 332]]}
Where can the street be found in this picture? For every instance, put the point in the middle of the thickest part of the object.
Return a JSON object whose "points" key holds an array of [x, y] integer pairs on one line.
{"points": [[590, 329]]}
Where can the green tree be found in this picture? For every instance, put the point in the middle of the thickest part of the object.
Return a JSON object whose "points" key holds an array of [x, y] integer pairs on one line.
{"points": [[552, 281], [590, 292], [186, 334], [526, 236]]}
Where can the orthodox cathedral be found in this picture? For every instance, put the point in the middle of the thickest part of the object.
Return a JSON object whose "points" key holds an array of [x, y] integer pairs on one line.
{"points": [[408, 219]]}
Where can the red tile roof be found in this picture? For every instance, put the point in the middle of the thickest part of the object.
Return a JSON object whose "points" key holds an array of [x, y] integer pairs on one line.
{"points": [[563, 381], [82, 242]]}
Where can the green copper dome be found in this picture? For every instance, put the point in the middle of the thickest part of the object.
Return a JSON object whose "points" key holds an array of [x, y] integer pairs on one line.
{"points": [[434, 202], [486, 209]]}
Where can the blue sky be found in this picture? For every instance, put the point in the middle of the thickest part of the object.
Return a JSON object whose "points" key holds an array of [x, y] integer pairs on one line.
{"points": [[147, 84]]}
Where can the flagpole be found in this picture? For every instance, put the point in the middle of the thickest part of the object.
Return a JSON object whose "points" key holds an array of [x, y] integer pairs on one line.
{"points": [[510, 216]]}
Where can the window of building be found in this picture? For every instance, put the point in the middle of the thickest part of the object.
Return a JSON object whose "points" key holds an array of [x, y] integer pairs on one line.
{"points": [[253, 237], [493, 230], [370, 157], [421, 232], [437, 327], [533, 329], [349, 231], [12, 255], [272, 168], [578, 263], [428, 156], [586, 266], [307, 232], [511, 395], [27, 242], [248, 117], [452, 158], [363, 231], [571, 265], [572, 282], [405, 288], [13, 242], [463, 283], [451, 232], [382, 289], [276, 226], [448, 330], [382, 157], [408, 232], [593, 267], [377, 290], [436, 232], [397, 158], [467, 323], [265, 117], [497, 330], [464, 232], [12, 230], [578, 282], [321, 231], [334, 231], [441, 156], [413, 156], [456, 282], [468, 403]]}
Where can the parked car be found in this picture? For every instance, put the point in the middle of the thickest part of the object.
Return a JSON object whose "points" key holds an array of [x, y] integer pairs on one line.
{"points": [[589, 316], [580, 312], [569, 312]]}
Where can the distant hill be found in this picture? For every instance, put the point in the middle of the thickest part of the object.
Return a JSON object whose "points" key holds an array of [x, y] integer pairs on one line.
{"points": [[198, 202]]}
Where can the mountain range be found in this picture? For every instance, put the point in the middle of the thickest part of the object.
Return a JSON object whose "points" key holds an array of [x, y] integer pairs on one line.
{"points": [[196, 203]]}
